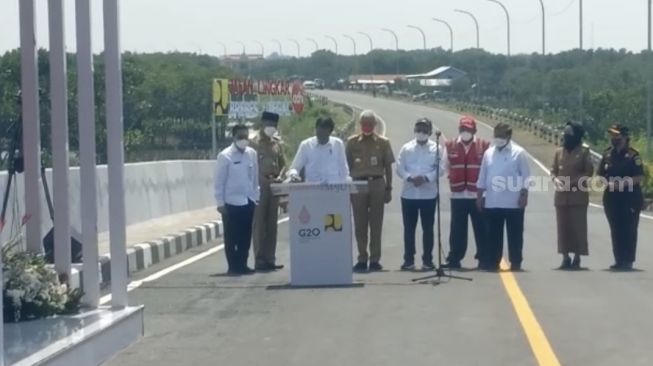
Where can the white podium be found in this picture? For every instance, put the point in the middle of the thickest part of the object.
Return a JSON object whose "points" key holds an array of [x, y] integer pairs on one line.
{"points": [[320, 232]]}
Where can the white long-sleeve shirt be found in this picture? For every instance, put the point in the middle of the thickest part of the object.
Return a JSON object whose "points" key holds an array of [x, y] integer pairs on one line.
{"points": [[321, 163], [504, 173], [236, 177], [420, 160]]}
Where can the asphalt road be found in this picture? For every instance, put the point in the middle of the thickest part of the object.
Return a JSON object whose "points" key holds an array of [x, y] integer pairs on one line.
{"points": [[541, 316]]}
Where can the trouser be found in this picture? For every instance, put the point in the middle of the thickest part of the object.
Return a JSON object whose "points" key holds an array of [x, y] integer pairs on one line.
{"points": [[237, 223], [623, 216], [410, 210], [265, 227], [460, 210], [368, 215], [513, 219]]}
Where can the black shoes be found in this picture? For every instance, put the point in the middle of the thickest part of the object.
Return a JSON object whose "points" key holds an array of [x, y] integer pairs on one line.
{"points": [[408, 266], [566, 263], [515, 267], [622, 266], [268, 267], [375, 267], [576, 263], [362, 267], [452, 265], [428, 266], [240, 271]]}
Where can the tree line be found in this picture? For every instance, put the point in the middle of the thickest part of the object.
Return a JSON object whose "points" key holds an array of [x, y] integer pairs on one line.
{"points": [[598, 87], [167, 96], [167, 102]]}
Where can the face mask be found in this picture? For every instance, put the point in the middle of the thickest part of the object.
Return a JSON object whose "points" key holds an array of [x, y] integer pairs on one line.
{"points": [[466, 136], [270, 131], [367, 129], [500, 142], [242, 144], [421, 136]]}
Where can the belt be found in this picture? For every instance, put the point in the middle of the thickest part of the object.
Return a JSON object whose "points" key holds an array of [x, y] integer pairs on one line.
{"points": [[370, 178]]}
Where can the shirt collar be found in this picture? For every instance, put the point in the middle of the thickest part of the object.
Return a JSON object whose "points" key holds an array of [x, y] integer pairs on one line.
{"points": [[316, 143], [374, 136], [508, 147]]}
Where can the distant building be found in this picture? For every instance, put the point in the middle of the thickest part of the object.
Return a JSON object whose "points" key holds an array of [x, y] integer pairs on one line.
{"points": [[241, 62], [366, 81], [441, 77]]}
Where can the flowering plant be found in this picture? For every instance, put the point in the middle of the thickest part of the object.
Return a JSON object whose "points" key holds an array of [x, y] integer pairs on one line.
{"points": [[31, 289]]}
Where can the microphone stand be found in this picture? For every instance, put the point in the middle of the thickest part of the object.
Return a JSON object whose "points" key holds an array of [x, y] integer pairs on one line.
{"points": [[439, 271]]}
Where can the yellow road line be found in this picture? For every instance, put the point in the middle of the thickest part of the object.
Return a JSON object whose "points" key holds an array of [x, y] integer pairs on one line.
{"points": [[536, 337]]}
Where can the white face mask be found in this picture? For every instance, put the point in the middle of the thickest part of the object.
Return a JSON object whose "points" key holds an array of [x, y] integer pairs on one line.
{"points": [[270, 131], [242, 144], [466, 136], [421, 137], [500, 142]]}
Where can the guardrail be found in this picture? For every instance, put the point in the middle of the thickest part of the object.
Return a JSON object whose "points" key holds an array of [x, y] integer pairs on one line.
{"points": [[347, 130], [538, 127]]}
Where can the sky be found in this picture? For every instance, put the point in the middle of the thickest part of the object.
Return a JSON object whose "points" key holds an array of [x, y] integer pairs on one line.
{"points": [[201, 26]]}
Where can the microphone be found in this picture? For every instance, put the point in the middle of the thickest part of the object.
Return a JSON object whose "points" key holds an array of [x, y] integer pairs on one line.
{"points": [[438, 133]]}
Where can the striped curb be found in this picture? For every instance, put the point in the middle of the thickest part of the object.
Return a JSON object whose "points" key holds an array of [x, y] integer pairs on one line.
{"points": [[145, 255]]}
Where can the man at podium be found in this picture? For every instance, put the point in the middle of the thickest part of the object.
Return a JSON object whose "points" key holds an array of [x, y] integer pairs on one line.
{"points": [[322, 157]]}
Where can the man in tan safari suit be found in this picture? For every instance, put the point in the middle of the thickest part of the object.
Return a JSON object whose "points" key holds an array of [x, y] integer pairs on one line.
{"points": [[271, 164], [370, 159]]}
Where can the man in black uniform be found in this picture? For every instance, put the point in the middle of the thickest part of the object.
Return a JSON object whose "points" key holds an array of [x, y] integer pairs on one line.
{"points": [[623, 199]]}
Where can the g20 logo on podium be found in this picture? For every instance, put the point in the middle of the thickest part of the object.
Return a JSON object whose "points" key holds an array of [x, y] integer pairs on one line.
{"points": [[312, 233]]}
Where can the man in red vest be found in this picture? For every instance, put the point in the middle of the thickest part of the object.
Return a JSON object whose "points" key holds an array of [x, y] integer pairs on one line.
{"points": [[463, 162]]}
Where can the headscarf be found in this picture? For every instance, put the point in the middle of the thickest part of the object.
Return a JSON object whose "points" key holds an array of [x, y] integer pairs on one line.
{"points": [[573, 140]]}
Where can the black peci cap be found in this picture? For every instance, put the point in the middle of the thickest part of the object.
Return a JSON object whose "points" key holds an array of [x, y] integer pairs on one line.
{"points": [[269, 116], [424, 122]]}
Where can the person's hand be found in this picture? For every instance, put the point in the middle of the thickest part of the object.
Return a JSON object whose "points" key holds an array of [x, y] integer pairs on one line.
{"points": [[295, 178], [523, 200], [222, 210], [418, 181], [480, 204], [388, 195], [558, 184]]}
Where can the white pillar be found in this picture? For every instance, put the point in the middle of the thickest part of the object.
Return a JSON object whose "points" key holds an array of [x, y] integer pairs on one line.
{"points": [[87, 153], [31, 125], [115, 153], [59, 118]]}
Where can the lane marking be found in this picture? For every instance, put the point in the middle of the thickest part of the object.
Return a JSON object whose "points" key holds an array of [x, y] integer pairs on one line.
{"points": [[166, 271], [536, 337]]}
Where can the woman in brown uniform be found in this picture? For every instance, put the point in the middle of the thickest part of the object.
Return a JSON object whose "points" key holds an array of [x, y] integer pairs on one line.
{"points": [[572, 167]]}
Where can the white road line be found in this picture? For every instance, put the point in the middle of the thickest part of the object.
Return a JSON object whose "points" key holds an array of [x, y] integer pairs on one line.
{"points": [[155, 276]]}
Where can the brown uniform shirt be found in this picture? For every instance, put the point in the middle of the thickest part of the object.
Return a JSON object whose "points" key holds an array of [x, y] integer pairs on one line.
{"points": [[571, 166], [270, 156], [368, 156]]}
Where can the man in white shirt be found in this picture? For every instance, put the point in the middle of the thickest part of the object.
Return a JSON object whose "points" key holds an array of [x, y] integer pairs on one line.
{"points": [[418, 166], [237, 194], [322, 157], [503, 195], [463, 164]]}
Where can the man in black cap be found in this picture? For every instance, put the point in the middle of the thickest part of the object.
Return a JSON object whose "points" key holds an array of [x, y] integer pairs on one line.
{"points": [[271, 166], [418, 168], [623, 200]]}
